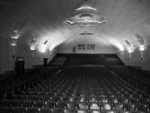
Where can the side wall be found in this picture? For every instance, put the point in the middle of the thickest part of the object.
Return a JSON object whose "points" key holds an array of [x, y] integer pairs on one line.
{"points": [[136, 59], [8, 64]]}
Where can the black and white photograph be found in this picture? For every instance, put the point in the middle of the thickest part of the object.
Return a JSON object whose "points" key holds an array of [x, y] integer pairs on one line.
{"points": [[74, 56]]}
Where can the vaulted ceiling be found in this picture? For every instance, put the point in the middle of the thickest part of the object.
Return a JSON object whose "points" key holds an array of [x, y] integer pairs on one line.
{"points": [[42, 20]]}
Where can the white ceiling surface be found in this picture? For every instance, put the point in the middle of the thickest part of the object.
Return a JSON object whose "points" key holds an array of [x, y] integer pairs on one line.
{"points": [[43, 20]]}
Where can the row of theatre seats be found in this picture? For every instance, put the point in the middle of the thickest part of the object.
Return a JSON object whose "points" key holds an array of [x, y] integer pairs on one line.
{"points": [[86, 59], [78, 90], [59, 60], [113, 60], [133, 76], [11, 82]]}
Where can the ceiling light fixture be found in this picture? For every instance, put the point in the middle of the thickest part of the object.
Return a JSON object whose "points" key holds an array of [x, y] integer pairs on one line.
{"points": [[85, 16], [85, 8]]}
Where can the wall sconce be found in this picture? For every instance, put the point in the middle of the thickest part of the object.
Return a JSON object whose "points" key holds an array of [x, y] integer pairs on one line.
{"points": [[13, 46], [13, 43], [129, 48], [130, 51], [32, 48], [142, 47]]}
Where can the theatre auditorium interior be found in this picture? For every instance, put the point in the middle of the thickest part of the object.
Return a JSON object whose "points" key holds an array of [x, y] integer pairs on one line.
{"points": [[74, 56]]}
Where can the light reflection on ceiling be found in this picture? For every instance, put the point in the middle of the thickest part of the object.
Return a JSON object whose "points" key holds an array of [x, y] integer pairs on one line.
{"points": [[43, 18], [116, 44], [49, 40]]}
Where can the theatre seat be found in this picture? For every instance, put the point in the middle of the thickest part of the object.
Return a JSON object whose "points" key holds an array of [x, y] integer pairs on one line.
{"points": [[5, 109], [57, 110], [79, 90], [5, 103], [18, 110], [31, 110], [44, 110]]}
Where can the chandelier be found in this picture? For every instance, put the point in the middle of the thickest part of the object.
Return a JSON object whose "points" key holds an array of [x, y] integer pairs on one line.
{"points": [[85, 16]]}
